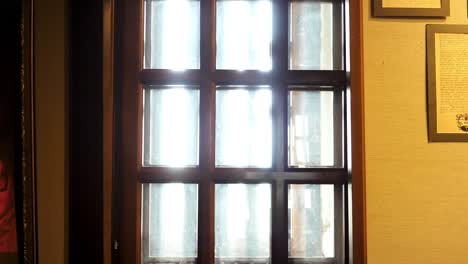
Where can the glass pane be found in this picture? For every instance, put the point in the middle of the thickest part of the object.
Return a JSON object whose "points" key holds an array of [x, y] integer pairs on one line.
{"points": [[311, 36], [242, 223], [171, 126], [243, 34], [172, 34], [311, 138], [170, 222], [311, 221], [243, 128]]}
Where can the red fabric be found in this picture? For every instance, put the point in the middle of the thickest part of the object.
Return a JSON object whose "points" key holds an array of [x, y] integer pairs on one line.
{"points": [[8, 239]]}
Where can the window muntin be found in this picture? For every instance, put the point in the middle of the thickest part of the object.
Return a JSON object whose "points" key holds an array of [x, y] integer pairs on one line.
{"points": [[209, 78]]}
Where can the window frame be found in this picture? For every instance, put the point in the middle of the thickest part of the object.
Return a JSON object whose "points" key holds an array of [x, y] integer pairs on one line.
{"points": [[133, 76]]}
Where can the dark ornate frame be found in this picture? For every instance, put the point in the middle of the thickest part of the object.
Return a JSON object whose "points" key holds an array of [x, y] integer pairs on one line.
{"points": [[28, 229]]}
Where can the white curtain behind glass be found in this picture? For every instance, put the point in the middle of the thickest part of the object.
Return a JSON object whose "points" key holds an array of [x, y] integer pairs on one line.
{"points": [[172, 127], [311, 35], [173, 27], [243, 128], [172, 218], [311, 138], [242, 221], [311, 221], [243, 34]]}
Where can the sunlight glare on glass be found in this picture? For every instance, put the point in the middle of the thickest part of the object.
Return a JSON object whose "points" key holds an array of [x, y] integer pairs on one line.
{"points": [[172, 34], [178, 13], [311, 221], [174, 126], [244, 128], [244, 33], [172, 218], [242, 220]]}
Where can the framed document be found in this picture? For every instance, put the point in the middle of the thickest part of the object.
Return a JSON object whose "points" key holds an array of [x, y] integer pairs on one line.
{"points": [[411, 8], [447, 82], [18, 243]]}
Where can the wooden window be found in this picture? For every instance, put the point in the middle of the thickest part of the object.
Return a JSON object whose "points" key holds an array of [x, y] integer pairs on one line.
{"points": [[232, 131]]}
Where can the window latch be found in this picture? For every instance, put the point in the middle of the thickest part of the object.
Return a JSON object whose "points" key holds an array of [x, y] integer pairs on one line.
{"points": [[116, 245]]}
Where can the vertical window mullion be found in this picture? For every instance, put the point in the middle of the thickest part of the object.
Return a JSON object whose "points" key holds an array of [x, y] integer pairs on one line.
{"points": [[147, 31], [279, 50], [338, 127], [206, 187], [206, 222], [146, 127], [338, 36], [207, 47], [145, 223], [207, 64], [279, 232], [279, 87], [207, 36], [280, 37], [339, 223]]}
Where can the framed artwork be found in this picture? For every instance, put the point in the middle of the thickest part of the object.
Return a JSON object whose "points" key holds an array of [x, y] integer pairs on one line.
{"points": [[17, 180], [411, 8], [447, 82], [8, 182]]}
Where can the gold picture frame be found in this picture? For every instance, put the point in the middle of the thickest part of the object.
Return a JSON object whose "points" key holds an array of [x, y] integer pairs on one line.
{"points": [[395, 8], [447, 80]]}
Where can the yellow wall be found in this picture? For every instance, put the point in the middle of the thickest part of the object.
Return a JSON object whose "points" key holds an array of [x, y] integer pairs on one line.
{"points": [[417, 192], [51, 129]]}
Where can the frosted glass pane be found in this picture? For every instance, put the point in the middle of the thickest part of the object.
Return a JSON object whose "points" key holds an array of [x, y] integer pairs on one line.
{"points": [[172, 34], [243, 128], [311, 36], [170, 219], [242, 222], [171, 126], [243, 34], [311, 137], [311, 221]]}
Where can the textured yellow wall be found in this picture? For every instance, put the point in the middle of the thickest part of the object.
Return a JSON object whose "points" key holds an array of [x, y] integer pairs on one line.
{"points": [[417, 192], [51, 83]]}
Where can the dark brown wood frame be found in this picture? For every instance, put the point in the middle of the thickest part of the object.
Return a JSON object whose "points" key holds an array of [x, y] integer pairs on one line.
{"points": [[90, 241], [280, 176], [434, 136], [108, 128], [357, 183], [87, 231], [380, 11]]}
